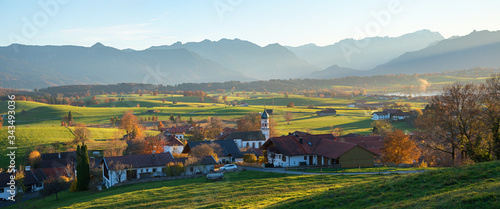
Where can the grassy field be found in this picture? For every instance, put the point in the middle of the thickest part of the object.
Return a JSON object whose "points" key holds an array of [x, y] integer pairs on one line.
{"points": [[39, 124], [473, 186]]}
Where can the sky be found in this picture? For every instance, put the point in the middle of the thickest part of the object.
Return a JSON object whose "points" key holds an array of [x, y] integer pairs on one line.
{"points": [[140, 24]]}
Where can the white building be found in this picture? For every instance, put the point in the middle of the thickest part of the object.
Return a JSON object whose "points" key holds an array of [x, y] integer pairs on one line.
{"points": [[149, 166], [173, 145], [381, 116], [264, 124]]}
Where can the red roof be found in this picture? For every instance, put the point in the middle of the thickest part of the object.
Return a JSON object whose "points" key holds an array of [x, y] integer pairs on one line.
{"points": [[177, 129], [173, 141], [322, 144], [372, 143]]}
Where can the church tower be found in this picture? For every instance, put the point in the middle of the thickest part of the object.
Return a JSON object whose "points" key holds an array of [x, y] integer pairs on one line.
{"points": [[264, 124]]}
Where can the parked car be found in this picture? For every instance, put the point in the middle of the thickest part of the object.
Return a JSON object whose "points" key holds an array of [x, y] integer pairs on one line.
{"points": [[228, 167]]}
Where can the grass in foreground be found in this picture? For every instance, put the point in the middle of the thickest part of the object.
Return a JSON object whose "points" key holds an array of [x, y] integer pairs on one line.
{"points": [[474, 186]]}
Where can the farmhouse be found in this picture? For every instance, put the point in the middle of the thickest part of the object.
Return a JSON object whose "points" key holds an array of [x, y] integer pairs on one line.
{"points": [[177, 131], [229, 150], [173, 144], [327, 111], [57, 160], [129, 167], [371, 143], [393, 114], [323, 149], [33, 181]]}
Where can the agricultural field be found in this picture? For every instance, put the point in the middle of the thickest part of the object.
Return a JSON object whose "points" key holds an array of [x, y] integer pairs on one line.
{"points": [[38, 124], [472, 186]]}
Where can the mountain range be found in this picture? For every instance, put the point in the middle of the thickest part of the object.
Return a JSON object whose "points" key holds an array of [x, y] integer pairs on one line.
{"points": [[28, 67]]}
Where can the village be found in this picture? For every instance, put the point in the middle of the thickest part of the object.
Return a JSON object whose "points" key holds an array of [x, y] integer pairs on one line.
{"points": [[176, 159]]}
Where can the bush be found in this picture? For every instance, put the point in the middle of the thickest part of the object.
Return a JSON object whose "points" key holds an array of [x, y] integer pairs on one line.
{"points": [[249, 158], [72, 187], [175, 169]]}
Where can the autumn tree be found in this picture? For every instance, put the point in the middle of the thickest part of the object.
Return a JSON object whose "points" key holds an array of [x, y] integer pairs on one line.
{"points": [[154, 143], [129, 122], [381, 127], [399, 148], [249, 122], [290, 105], [214, 127], [491, 111], [34, 159], [338, 131], [82, 134], [288, 117], [206, 149], [136, 146], [160, 126]]}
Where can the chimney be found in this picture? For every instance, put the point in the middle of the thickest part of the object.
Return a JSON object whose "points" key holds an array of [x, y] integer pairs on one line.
{"points": [[154, 157], [301, 141]]}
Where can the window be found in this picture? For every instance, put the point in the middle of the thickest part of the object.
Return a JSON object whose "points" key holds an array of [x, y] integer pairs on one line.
{"points": [[283, 158], [1, 190], [305, 157], [154, 169], [191, 169]]}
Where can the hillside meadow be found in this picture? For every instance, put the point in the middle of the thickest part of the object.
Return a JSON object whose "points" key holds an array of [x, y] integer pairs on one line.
{"points": [[472, 186], [38, 124]]}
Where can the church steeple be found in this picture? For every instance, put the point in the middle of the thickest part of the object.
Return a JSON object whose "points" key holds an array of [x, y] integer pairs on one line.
{"points": [[264, 124]]}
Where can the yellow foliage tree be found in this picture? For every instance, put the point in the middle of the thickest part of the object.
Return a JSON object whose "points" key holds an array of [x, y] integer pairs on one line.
{"points": [[399, 148]]}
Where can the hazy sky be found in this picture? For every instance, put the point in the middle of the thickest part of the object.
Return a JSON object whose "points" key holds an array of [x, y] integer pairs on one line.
{"points": [[141, 24]]}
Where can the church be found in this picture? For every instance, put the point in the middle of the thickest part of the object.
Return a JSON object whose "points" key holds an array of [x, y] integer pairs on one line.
{"points": [[252, 139]]}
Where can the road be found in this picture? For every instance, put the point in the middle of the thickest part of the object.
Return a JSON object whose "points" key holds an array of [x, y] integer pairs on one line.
{"points": [[282, 170]]}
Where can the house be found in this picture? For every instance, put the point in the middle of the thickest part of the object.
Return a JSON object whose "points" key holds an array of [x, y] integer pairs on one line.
{"points": [[400, 115], [6, 190], [371, 143], [247, 139], [243, 104], [177, 131], [137, 167], [33, 181], [56, 160], [381, 116], [323, 149], [201, 165], [229, 152], [327, 111], [173, 145], [148, 166]]}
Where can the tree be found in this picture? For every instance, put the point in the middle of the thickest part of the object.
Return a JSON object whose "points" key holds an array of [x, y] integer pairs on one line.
{"points": [[128, 122], [381, 127], [203, 150], [55, 185], [70, 119], [34, 159], [249, 122], [172, 118], [178, 118], [214, 127], [338, 131], [399, 148], [83, 169], [491, 114], [288, 117], [154, 143], [160, 126], [249, 158], [136, 146], [120, 170], [175, 169], [1, 122], [290, 105], [137, 132], [82, 134], [19, 177]]}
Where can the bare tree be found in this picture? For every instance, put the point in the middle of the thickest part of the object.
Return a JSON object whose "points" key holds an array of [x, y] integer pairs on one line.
{"points": [[120, 169], [82, 134], [288, 117]]}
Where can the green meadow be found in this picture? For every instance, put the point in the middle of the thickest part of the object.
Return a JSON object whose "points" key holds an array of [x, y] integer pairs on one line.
{"points": [[38, 124], [472, 186]]}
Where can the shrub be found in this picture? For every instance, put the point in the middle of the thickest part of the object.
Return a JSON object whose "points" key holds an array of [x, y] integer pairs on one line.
{"points": [[72, 187], [175, 169], [249, 158]]}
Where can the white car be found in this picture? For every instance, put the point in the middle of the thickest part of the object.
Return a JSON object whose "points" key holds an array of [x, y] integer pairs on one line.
{"points": [[228, 167]]}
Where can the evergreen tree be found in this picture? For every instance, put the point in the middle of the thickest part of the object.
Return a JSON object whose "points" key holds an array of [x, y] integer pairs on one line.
{"points": [[78, 167], [85, 169], [70, 118], [172, 118]]}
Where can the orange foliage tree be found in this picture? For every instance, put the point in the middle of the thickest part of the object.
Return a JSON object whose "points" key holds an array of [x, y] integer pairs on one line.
{"points": [[399, 148]]}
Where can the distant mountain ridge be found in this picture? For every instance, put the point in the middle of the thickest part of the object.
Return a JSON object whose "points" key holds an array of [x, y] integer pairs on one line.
{"points": [[270, 62], [29, 67], [366, 53], [477, 49]]}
